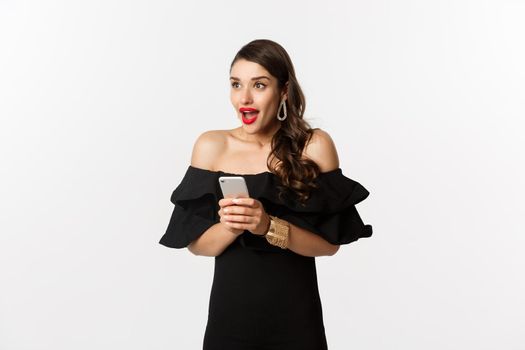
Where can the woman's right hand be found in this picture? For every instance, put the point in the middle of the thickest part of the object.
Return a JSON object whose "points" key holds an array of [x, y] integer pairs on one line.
{"points": [[223, 203]]}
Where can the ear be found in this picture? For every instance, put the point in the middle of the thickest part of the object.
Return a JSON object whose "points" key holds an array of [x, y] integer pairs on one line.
{"points": [[284, 92]]}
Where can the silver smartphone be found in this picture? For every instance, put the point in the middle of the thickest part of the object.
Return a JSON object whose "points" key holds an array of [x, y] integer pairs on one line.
{"points": [[233, 186]]}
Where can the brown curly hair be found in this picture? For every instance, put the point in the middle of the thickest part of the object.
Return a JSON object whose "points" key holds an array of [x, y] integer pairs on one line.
{"points": [[295, 172]]}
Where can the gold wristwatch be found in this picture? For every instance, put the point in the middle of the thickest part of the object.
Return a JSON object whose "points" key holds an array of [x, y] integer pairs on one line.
{"points": [[278, 233]]}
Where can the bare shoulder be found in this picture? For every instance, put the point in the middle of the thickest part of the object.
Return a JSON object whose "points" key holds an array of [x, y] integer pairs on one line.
{"points": [[207, 148], [322, 150]]}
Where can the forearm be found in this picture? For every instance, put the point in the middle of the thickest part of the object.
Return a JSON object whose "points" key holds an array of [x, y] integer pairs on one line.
{"points": [[306, 243], [213, 241]]}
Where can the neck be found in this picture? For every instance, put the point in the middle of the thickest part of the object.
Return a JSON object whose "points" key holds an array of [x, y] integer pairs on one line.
{"points": [[262, 138]]}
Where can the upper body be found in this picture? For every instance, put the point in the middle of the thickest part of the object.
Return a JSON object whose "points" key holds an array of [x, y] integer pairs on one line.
{"points": [[225, 150]]}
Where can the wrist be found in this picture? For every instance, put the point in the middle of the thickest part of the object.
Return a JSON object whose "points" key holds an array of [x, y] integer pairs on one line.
{"points": [[267, 226], [268, 218]]}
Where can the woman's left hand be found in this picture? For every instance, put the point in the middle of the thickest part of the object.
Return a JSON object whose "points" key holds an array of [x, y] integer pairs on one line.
{"points": [[247, 214]]}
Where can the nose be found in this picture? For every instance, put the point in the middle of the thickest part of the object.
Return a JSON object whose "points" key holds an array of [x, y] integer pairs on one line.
{"points": [[246, 97]]}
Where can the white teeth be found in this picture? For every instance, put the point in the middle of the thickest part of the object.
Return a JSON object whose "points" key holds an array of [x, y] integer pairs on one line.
{"points": [[250, 115]]}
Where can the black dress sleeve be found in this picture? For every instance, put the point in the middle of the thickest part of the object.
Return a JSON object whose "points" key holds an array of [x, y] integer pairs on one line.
{"points": [[330, 211], [195, 209]]}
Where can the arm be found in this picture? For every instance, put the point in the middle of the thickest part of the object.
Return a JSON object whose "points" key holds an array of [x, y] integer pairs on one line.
{"points": [[213, 241], [320, 149], [208, 146]]}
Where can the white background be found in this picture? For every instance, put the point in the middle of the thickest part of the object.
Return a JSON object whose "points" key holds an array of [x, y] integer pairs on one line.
{"points": [[101, 101]]}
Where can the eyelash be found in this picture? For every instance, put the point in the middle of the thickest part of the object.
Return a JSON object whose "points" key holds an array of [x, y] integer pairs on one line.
{"points": [[232, 84]]}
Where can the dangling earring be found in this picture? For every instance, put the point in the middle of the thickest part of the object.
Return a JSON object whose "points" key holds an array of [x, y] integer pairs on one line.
{"points": [[279, 110]]}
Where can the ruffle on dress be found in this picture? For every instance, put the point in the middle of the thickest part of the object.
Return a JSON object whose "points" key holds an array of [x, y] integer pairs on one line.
{"points": [[329, 212]]}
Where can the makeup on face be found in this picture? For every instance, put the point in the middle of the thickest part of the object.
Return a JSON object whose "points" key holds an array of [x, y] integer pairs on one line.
{"points": [[252, 91]]}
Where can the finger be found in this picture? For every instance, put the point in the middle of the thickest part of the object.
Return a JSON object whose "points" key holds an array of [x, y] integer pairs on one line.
{"points": [[226, 204], [246, 201], [240, 210], [227, 209], [238, 218], [226, 201], [231, 209]]}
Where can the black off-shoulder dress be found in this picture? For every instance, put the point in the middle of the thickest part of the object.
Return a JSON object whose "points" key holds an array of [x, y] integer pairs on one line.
{"points": [[262, 296]]}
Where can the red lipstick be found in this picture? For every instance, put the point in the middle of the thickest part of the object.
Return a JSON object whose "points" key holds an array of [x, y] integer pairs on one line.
{"points": [[249, 115]]}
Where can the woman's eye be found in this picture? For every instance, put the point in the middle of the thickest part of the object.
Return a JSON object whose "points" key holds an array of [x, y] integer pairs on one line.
{"points": [[258, 84]]}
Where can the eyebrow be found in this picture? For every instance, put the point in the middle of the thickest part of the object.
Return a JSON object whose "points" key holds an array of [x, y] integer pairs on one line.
{"points": [[254, 78]]}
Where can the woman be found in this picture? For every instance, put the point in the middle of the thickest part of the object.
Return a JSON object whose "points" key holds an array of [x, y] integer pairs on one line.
{"points": [[265, 293]]}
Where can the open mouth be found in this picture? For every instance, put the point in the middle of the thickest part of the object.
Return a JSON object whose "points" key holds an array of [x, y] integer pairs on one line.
{"points": [[249, 115]]}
